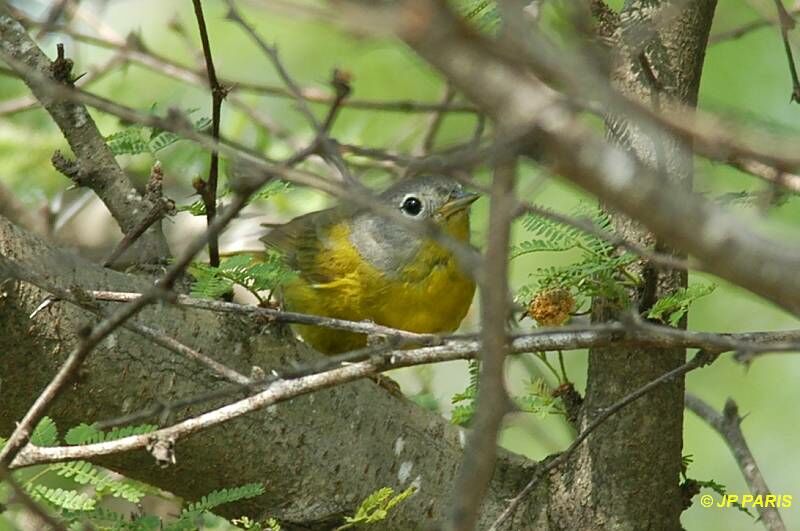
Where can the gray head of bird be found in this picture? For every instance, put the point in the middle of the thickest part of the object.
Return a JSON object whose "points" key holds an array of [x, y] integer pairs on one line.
{"points": [[390, 246]]}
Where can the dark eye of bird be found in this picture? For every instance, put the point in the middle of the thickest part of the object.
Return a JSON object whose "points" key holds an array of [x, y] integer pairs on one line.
{"points": [[411, 206]]}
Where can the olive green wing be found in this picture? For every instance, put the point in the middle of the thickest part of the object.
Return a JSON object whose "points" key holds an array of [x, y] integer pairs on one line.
{"points": [[302, 240]]}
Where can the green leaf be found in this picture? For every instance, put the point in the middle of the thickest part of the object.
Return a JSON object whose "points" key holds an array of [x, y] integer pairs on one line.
{"points": [[45, 433], [89, 434], [464, 402], [256, 275], [131, 141], [223, 496], [71, 500], [673, 307], [540, 400], [375, 508]]}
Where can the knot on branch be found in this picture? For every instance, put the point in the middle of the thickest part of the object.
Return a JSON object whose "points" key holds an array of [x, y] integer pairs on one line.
{"points": [[572, 400], [61, 67], [163, 450], [689, 489], [70, 168]]}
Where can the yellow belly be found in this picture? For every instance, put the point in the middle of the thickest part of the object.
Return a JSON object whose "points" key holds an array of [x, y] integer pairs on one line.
{"points": [[430, 295]]}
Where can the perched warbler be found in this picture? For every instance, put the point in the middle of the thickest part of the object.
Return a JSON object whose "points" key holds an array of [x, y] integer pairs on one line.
{"points": [[355, 264]]}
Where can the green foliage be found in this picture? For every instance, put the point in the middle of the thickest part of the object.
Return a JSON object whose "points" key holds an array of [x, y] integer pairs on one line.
{"points": [[465, 402], [74, 502], [600, 271], [539, 400], [89, 434], [219, 497], [45, 433], [673, 307], [138, 139], [483, 14], [256, 275], [268, 191], [375, 508], [69, 500]]}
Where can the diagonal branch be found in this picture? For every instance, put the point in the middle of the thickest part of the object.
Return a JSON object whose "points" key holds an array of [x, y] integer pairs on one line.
{"points": [[728, 425], [95, 164], [701, 359]]}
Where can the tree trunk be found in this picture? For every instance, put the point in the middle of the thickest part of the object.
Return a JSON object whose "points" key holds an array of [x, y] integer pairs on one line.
{"points": [[627, 475]]}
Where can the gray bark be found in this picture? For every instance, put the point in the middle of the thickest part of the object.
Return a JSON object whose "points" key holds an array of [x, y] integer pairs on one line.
{"points": [[629, 471], [318, 456]]}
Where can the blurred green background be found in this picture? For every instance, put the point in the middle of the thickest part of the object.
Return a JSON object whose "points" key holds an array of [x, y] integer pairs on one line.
{"points": [[747, 78]]}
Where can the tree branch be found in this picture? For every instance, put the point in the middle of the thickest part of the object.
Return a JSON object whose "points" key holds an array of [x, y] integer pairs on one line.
{"points": [[218, 93], [97, 167], [480, 452], [728, 425]]}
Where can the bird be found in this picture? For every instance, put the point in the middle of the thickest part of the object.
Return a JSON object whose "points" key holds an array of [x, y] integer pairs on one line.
{"points": [[355, 264]]}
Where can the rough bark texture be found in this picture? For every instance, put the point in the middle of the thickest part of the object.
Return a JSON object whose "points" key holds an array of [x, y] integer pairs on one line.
{"points": [[628, 473], [317, 455], [95, 166]]}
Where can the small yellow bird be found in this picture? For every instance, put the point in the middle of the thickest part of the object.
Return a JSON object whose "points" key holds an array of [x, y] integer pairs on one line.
{"points": [[354, 264]]}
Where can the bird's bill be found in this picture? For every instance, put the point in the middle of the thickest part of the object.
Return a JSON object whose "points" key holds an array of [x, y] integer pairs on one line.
{"points": [[458, 203]]}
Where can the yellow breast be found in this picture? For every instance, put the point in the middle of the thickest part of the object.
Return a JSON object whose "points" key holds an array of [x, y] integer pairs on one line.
{"points": [[431, 294]]}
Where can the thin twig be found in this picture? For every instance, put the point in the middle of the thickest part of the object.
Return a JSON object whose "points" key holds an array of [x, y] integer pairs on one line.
{"points": [[278, 316], [728, 425], [745, 29], [700, 359], [156, 213], [437, 120], [218, 93], [467, 347], [787, 23]]}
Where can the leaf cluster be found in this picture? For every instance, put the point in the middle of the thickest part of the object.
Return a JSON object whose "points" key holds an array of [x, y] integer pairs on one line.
{"points": [[464, 403], [539, 400], [375, 507], [255, 274], [600, 271], [671, 308], [139, 139], [92, 485]]}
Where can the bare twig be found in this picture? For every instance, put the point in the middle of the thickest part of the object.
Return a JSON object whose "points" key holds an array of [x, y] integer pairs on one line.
{"points": [[278, 316], [480, 452], [280, 391], [161, 207], [437, 120], [728, 425], [745, 29], [787, 24], [700, 359], [218, 93]]}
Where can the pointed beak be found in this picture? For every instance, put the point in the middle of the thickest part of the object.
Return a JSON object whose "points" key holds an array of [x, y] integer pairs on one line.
{"points": [[458, 202]]}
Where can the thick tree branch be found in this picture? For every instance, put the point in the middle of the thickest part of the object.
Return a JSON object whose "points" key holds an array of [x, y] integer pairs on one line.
{"points": [[305, 436]]}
